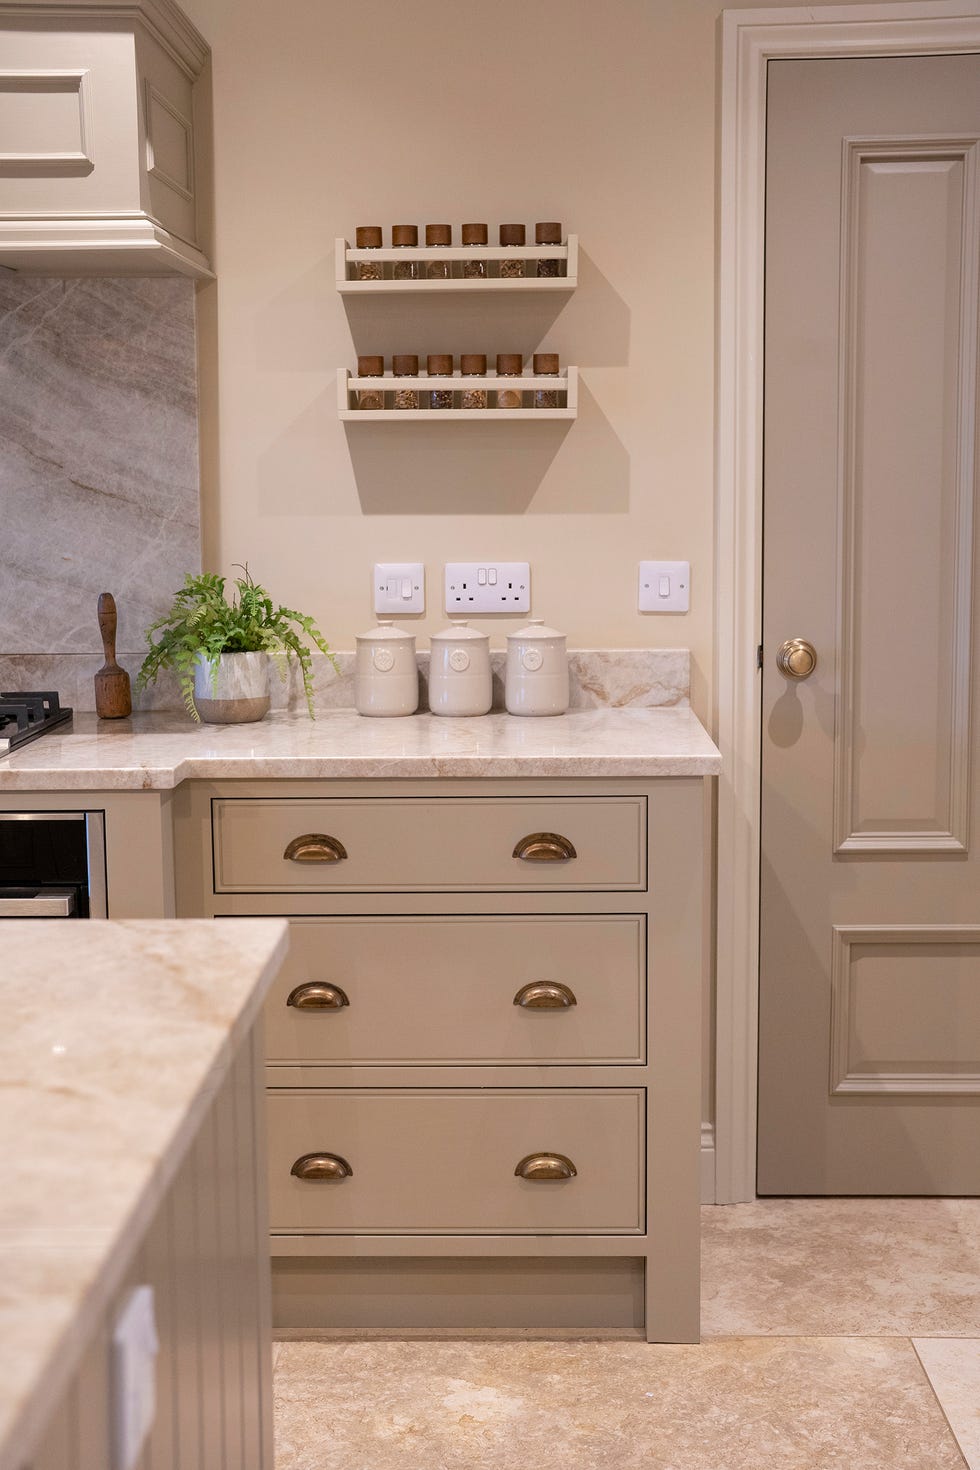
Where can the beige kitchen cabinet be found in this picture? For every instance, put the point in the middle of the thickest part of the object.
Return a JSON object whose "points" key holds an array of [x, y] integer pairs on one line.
{"points": [[104, 139], [483, 1067]]}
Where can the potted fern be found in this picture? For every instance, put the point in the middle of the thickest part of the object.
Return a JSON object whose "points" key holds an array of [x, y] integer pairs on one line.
{"points": [[220, 650]]}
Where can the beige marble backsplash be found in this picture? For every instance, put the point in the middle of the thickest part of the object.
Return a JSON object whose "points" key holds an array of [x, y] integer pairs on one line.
{"points": [[615, 678], [99, 486]]}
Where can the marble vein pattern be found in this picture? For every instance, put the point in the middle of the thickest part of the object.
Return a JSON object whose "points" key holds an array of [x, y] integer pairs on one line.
{"points": [[953, 1368], [157, 752], [635, 678], [791, 1267], [98, 457], [800, 1404], [103, 1088]]}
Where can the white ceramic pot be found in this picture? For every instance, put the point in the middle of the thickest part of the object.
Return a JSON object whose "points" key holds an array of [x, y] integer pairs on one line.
{"points": [[536, 675], [386, 675], [460, 682], [234, 694]]}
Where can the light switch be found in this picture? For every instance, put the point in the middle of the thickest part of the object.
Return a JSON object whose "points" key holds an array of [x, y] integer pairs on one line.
{"points": [[664, 586], [399, 587]]}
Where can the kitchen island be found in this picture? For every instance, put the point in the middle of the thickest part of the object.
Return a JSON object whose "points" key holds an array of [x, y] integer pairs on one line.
{"points": [[483, 1070], [130, 1058]]}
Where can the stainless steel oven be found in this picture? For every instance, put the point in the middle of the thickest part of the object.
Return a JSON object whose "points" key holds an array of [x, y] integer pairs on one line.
{"points": [[52, 865]]}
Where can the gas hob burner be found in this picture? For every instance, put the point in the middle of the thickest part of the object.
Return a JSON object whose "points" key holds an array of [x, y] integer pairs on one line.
{"points": [[26, 714]]}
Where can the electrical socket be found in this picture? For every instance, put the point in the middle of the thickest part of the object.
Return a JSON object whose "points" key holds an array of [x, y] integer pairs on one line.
{"points": [[488, 587]]}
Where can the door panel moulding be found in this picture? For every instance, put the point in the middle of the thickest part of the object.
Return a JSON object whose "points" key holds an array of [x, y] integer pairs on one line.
{"points": [[749, 40]]}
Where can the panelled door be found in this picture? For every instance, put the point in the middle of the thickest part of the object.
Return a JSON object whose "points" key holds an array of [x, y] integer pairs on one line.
{"points": [[870, 941]]}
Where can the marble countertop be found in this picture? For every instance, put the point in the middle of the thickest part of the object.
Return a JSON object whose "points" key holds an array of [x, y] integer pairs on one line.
{"points": [[104, 1086], [158, 752]]}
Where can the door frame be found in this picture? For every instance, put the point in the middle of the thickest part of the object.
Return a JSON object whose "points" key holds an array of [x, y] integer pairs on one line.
{"points": [[749, 40]]}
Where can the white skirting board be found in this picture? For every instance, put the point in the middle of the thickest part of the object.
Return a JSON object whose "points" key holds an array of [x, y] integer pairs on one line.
{"points": [[707, 1163]]}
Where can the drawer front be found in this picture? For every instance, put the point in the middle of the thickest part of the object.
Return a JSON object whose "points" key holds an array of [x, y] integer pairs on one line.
{"points": [[412, 844], [426, 1161], [435, 990]]}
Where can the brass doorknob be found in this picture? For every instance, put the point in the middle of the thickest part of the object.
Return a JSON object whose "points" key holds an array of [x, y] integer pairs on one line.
{"points": [[796, 658]]}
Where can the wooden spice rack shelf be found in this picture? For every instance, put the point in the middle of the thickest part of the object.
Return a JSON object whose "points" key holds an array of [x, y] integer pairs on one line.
{"points": [[348, 386], [347, 259]]}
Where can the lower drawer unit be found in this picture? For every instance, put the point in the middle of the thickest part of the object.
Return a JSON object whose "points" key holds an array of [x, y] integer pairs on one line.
{"points": [[443, 989], [405, 1160]]}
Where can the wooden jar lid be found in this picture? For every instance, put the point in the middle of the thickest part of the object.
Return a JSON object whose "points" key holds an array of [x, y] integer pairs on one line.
{"points": [[438, 234], [439, 364], [545, 362], [510, 364], [404, 234], [368, 237], [474, 234], [405, 364], [370, 367], [512, 234], [547, 233], [473, 363]]}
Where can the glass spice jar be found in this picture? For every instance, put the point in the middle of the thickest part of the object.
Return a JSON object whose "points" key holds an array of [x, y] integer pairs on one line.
{"points": [[402, 235], [438, 270], [548, 233], [545, 364], [439, 365], [370, 367], [511, 270], [368, 237], [510, 364], [473, 365], [405, 365], [474, 270]]}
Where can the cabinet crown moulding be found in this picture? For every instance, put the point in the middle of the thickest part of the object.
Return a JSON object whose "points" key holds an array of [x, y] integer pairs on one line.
{"points": [[165, 20]]}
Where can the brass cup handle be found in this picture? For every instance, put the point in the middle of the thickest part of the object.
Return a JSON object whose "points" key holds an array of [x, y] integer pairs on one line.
{"points": [[545, 847], [796, 658], [543, 1168], [315, 847], [545, 995], [316, 996], [321, 1168]]}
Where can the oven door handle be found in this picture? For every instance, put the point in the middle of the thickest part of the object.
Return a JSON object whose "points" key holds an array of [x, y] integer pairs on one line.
{"points": [[42, 903]]}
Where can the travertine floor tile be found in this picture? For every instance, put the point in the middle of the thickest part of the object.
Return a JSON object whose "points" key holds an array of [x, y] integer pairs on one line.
{"points": [[953, 1366], [841, 1267], [805, 1404]]}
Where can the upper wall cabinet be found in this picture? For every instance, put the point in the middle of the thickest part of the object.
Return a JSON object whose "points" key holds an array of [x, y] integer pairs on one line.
{"points": [[104, 139]]}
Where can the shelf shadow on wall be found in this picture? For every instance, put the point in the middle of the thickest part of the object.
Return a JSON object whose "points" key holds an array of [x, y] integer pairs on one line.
{"points": [[555, 467]]}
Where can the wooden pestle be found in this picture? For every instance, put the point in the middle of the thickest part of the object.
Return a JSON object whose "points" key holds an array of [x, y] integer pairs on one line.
{"points": [[113, 699]]}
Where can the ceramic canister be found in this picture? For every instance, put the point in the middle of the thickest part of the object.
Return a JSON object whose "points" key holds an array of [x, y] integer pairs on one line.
{"points": [[459, 674], [386, 675], [536, 676]]}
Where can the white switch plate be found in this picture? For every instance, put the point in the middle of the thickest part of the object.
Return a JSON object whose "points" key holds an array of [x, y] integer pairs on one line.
{"points": [[665, 586], [488, 587], [399, 587], [133, 1377]]}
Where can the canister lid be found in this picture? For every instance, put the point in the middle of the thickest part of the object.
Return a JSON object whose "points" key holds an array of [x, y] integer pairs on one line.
{"points": [[459, 633], [535, 630], [384, 632]]}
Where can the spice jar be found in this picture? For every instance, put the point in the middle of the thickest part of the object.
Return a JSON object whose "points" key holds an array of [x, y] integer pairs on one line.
{"points": [[473, 365], [370, 367], [405, 365], [509, 364], [440, 364], [368, 237], [510, 270], [402, 235], [545, 365], [438, 270], [474, 270], [548, 233]]}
